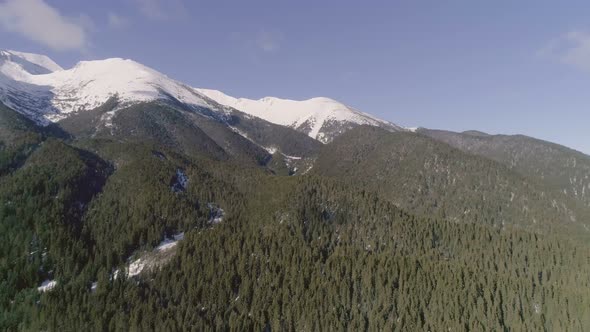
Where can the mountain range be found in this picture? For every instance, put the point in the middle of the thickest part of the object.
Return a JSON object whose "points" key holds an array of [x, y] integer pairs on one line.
{"points": [[129, 200], [36, 86]]}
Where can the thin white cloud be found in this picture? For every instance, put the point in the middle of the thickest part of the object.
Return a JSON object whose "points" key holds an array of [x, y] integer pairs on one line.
{"points": [[116, 21], [39, 22], [572, 48], [161, 9], [268, 41], [257, 44]]}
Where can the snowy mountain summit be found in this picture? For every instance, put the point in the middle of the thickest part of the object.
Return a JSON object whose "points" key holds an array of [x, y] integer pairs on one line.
{"points": [[31, 63], [320, 118], [37, 87]]}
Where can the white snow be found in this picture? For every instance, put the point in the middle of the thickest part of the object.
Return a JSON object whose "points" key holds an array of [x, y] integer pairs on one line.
{"points": [[32, 63], [218, 219], [216, 214], [271, 149], [291, 157], [149, 259], [38, 59], [315, 112], [170, 243], [47, 285], [39, 88], [56, 93], [135, 268], [94, 286]]}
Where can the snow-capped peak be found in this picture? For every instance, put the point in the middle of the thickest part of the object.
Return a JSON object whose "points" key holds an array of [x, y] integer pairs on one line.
{"points": [[37, 87], [47, 95], [321, 118], [29, 62], [94, 82]]}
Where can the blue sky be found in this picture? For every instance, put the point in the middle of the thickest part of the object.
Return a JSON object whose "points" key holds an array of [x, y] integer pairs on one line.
{"points": [[496, 66]]}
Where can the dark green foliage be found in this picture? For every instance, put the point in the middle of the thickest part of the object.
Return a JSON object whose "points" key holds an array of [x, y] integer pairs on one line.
{"points": [[41, 206], [88, 123], [164, 125], [195, 132], [278, 165], [433, 179], [18, 138], [563, 169], [234, 144], [315, 255], [368, 240], [139, 204], [287, 140]]}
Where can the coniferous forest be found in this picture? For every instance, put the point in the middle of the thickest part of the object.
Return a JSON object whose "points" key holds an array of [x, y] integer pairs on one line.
{"points": [[382, 232]]}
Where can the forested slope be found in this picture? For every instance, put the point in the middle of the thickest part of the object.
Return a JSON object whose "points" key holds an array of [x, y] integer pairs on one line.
{"points": [[430, 178], [365, 241], [562, 168]]}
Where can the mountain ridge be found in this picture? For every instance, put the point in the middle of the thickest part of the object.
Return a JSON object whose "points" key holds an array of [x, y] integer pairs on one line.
{"points": [[312, 116], [373, 230], [37, 87], [563, 168]]}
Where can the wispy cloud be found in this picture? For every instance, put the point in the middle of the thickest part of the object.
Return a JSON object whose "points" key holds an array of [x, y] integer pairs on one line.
{"points": [[116, 21], [268, 41], [257, 43], [39, 22], [572, 48], [161, 9]]}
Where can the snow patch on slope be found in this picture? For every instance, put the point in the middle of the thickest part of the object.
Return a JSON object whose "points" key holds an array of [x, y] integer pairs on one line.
{"points": [[216, 214], [47, 285], [169, 243], [271, 149], [153, 258]]}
